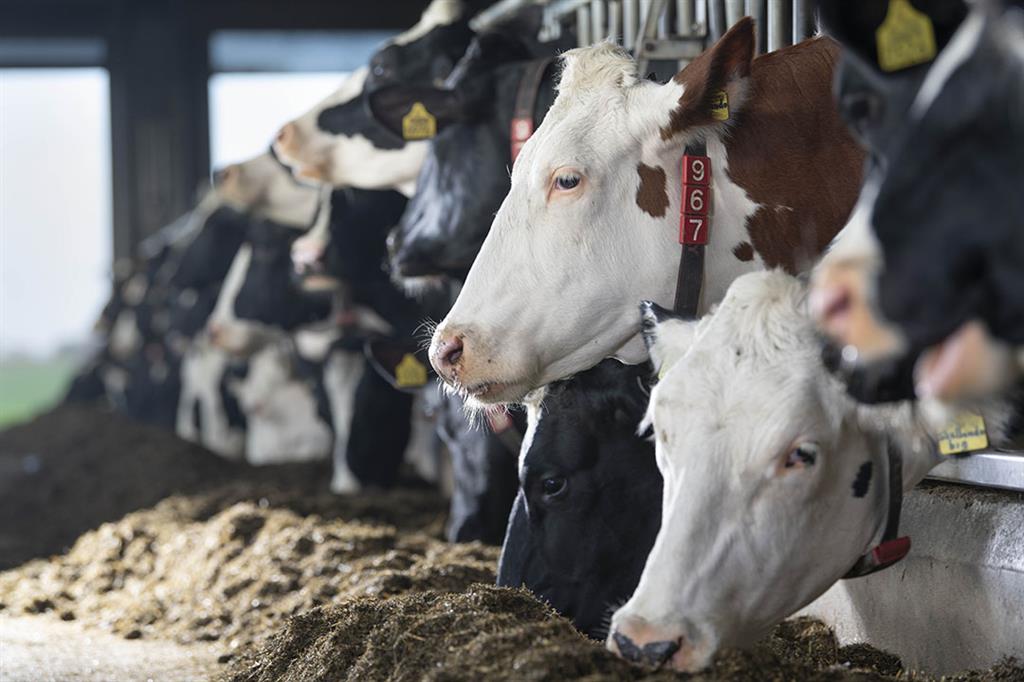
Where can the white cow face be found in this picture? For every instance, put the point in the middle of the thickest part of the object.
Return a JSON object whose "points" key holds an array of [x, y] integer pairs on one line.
{"points": [[337, 143], [264, 188], [775, 481], [590, 225]]}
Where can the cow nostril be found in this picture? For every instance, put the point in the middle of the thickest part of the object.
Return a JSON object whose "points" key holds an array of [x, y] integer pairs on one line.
{"points": [[454, 352], [657, 653], [627, 649]]}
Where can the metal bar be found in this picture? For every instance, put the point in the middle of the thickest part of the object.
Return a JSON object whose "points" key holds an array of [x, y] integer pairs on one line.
{"points": [[583, 26], [799, 20], [497, 12], [779, 24], [615, 20], [648, 32], [663, 21], [755, 9], [630, 19], [733, 12], [717, 19], [989, 469], [598, 29], [685, 17]]}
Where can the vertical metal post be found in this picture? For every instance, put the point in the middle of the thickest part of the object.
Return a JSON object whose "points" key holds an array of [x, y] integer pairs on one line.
{"points": [[733, 12], [630, 22], [755, 10], [717, 19], [615, 20], [597, 20], [799, 20], [583, 26], [685, 17], [779, 24]]}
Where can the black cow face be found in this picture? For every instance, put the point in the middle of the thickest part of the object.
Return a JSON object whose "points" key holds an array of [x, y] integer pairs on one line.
{"points": [[206, 258], [946, 173], [270, 294], [428, 59], [589, 506], [466, 174]]}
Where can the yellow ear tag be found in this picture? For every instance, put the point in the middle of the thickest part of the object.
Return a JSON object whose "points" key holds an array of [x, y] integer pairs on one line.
{"points": [[410, 372], [418, 124], [966, 433], [905, 38], [720, 106]]}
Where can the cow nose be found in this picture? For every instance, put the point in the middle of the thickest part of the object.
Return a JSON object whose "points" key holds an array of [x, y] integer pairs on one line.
{"points": [[654, 654], [445, 356]]}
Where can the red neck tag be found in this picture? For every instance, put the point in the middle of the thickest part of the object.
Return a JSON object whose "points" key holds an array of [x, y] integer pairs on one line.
{"points": [[519, 132], [695, 211]]}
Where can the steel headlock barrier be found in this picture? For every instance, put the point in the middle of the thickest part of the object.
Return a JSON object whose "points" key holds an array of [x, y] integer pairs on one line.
{"points": [[673, 32]]}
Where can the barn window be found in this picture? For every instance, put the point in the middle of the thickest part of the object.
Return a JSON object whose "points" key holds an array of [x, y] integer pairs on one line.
{"points": [[261, 79], [55, 215]]}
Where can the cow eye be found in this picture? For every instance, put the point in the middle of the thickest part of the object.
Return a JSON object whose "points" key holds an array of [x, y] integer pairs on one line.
{"points": [[567, 182], [861, 109], [801, 457], [554, 486]]}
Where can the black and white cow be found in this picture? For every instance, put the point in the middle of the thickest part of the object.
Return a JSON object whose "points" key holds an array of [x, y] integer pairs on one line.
{"points": [[589, 506], [337, 142], [465, 175], [926, 277]]}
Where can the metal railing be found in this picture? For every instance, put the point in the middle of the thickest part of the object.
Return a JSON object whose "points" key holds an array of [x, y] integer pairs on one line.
{"points": [[661, 29]]}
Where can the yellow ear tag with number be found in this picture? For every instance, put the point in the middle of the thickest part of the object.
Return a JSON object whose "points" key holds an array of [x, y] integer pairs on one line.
{"points": [[418, 124], [966, 433], [720, 106], [905, 38], [410, 372]]}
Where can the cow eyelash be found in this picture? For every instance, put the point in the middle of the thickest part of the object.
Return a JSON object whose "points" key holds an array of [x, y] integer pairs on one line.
{"points": [[802, 456]]}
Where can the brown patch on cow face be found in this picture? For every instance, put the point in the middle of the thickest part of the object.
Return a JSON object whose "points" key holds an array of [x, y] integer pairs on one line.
{"points": [[743, 252], [727, 60], [651, 195], [792, 154]]}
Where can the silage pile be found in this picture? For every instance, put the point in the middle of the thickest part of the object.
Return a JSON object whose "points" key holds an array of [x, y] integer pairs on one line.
{"points": [[178, 572]]}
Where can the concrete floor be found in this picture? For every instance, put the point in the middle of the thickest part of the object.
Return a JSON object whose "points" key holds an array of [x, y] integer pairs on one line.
{"points": [[957, 601], [41, 649]]}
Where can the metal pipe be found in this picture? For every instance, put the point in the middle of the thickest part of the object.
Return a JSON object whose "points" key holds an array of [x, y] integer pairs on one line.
{"points": [[630, 21], [799, 20], [779, 24], [733, 12], [598, 30], [717, 19], [583, 37], [755, 10], [685, 17], [615, 20]]}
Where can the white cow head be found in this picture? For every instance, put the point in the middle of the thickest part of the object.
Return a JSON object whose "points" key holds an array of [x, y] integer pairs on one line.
{"points": [[264, 188], [590, 224], [776, 482]]}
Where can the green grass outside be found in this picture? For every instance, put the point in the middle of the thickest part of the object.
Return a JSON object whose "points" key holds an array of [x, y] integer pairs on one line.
{"points": [[28, 387]]}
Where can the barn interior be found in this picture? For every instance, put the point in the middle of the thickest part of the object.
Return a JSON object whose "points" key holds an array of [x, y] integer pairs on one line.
{"points": [[187, 493]]}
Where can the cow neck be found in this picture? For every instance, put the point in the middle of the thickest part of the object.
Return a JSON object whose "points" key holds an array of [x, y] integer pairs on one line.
{"points": [[694, 228], [892, 547], [524, 110]]}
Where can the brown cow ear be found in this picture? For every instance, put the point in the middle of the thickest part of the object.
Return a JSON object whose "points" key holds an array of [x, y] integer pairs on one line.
{"points": [[713, 82]]}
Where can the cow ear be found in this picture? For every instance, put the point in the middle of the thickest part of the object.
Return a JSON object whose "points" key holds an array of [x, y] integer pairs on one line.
{"points": [[666, 335], [714, 83], [414, 112]]}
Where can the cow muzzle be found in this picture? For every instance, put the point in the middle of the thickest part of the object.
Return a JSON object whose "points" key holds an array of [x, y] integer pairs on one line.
{"points": [[639, 641]]}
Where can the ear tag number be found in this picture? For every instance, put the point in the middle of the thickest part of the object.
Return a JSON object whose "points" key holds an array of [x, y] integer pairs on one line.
{"points": [[696, 208], [418, 124], [720, 106], [410, 372], [905, 38], [966, 433]]}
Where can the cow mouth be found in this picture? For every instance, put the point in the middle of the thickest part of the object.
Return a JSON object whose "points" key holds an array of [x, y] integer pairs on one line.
{"points": [[493, 392]]}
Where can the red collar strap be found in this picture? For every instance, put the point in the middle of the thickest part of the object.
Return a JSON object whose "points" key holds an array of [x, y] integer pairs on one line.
{"points": [[694, 225], [522, 126], [892, 548]]}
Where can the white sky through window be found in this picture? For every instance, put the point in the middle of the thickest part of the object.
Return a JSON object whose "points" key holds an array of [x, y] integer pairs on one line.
{"points": [[55, 206]]}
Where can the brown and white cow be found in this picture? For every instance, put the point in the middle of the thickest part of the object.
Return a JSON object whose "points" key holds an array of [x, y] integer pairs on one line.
{"points": [[590, 224]]}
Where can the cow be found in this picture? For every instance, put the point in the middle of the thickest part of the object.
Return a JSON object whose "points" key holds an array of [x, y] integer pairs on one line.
{"points": [[589, 504], [592, 217], [776, 481], [208, 413], [338, 143], [283, 420], [925, 275], [465, 175]]}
